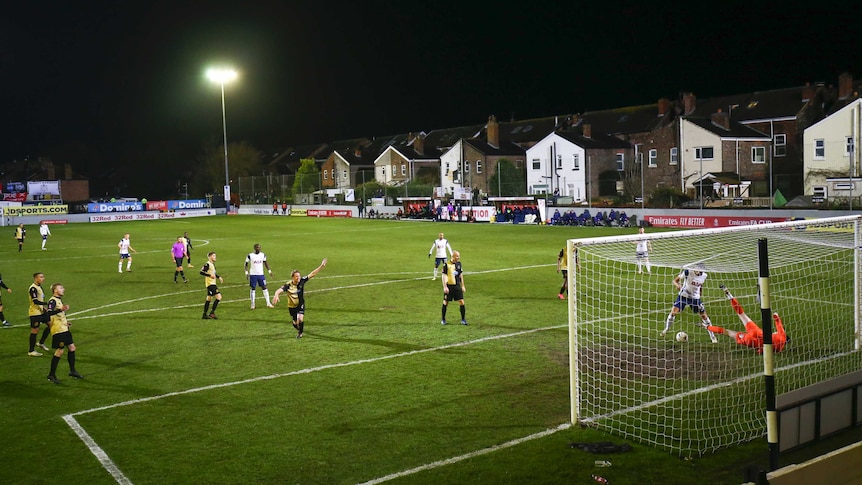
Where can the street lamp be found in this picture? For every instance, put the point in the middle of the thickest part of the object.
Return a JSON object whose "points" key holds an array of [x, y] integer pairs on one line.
{"points": [[222, 76]]}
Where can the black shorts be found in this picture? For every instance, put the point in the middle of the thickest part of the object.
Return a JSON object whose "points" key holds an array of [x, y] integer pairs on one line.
{"points": [[61, 340], [179, 261], [455, 293], [565, 273], [212, 290], [36, 320], [294, 312]]}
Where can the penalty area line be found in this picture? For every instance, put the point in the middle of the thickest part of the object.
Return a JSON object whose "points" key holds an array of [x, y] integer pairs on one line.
{"points": [[456, 459], [97, 450]]}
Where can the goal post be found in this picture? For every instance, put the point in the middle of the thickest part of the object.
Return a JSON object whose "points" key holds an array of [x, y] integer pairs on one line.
{"points": [[694, 396]]}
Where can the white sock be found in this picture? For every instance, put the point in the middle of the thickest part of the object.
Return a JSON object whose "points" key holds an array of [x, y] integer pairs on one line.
{"points": [[120, 266], [129, 265], [266, 296], [669, 322], [43, 244], [648, 267], [252, 294]]}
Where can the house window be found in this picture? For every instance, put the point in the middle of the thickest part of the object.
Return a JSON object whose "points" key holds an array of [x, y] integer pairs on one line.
{"points": [[576, 162], [382, 172], [404, 170], [326, 175], [344, 174], [819, 149], [394, 170], [703, 153], [674, 156], [653, 158], [478, 166], [447, 168], [621, 160], [758, 154], [537, 164], [559, 162], [849, 146], [779, 145]]}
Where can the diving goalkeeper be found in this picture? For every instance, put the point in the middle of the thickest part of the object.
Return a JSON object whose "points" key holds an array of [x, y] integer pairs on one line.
{"points": [[753, 335]]}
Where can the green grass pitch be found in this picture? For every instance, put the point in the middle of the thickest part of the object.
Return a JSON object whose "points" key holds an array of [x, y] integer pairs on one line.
{"points": [[376, 390]]}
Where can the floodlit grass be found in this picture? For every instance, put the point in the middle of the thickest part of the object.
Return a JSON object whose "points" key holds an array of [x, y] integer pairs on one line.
{"points": [[377, 387]]}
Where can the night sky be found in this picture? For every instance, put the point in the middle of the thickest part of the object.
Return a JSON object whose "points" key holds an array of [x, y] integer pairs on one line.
{"points": [[123, 82]]}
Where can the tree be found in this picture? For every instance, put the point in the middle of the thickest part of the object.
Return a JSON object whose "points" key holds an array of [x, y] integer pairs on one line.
{"points": [[307, 177], [243, 160], [631, 178], [508, 180]]}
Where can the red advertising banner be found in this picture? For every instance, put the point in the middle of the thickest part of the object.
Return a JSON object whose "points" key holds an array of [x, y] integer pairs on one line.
{"points": [[705, 222], [329, 213], [157, 205], [15, 196]]}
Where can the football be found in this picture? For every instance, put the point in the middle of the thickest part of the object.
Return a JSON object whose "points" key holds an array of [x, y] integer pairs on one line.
{"points": [[681, 337]]}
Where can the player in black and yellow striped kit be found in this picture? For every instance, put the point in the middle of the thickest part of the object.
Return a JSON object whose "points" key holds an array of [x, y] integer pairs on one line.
{"points": [[210, 276], [62, 336], [453, 286], [37, 312], [295, 291]]}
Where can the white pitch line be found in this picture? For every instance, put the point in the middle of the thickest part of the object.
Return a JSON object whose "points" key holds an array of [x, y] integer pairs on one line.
{"points": [[456, 459], [96, 450]]}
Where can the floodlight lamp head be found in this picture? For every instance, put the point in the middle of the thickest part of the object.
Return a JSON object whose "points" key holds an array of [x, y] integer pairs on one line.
{"points": [[221, 75]]}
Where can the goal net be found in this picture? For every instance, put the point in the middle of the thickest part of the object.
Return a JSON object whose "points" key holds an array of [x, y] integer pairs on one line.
{"points": [[696, 396]]}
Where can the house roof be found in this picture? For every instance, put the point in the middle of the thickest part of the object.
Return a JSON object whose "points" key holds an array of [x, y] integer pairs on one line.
{"points": [[630, 119], [505, 148], [596, 141], [736, 130], [445, 138], [759, 105], [527, 131]]}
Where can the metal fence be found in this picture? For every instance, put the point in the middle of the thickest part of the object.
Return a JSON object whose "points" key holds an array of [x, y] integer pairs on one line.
{"points": [[267, 189]]}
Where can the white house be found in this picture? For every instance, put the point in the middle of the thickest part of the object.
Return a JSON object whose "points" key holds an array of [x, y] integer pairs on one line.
{"points": [[557, 163], [452, 168], [572, 163], [831, 156]]}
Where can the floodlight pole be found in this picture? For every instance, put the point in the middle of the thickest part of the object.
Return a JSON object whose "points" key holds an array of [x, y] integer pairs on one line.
{"points": [[224, 132], [222, 76]]}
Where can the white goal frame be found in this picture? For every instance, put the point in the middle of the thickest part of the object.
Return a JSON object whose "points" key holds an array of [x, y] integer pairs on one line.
{"points": [[579, 344]]}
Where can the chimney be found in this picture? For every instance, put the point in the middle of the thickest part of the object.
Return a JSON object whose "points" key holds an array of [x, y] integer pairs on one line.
{"points": [[807, 92], [357, 152], [419, 144], [663, 106], [493, 131], [588, 130], [845, 85], [51, 174], [689, 103], [68, 172], [721, 119]]}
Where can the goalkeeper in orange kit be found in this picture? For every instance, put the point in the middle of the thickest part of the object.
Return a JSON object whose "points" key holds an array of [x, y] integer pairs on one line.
{"points": [[753, 335]]}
